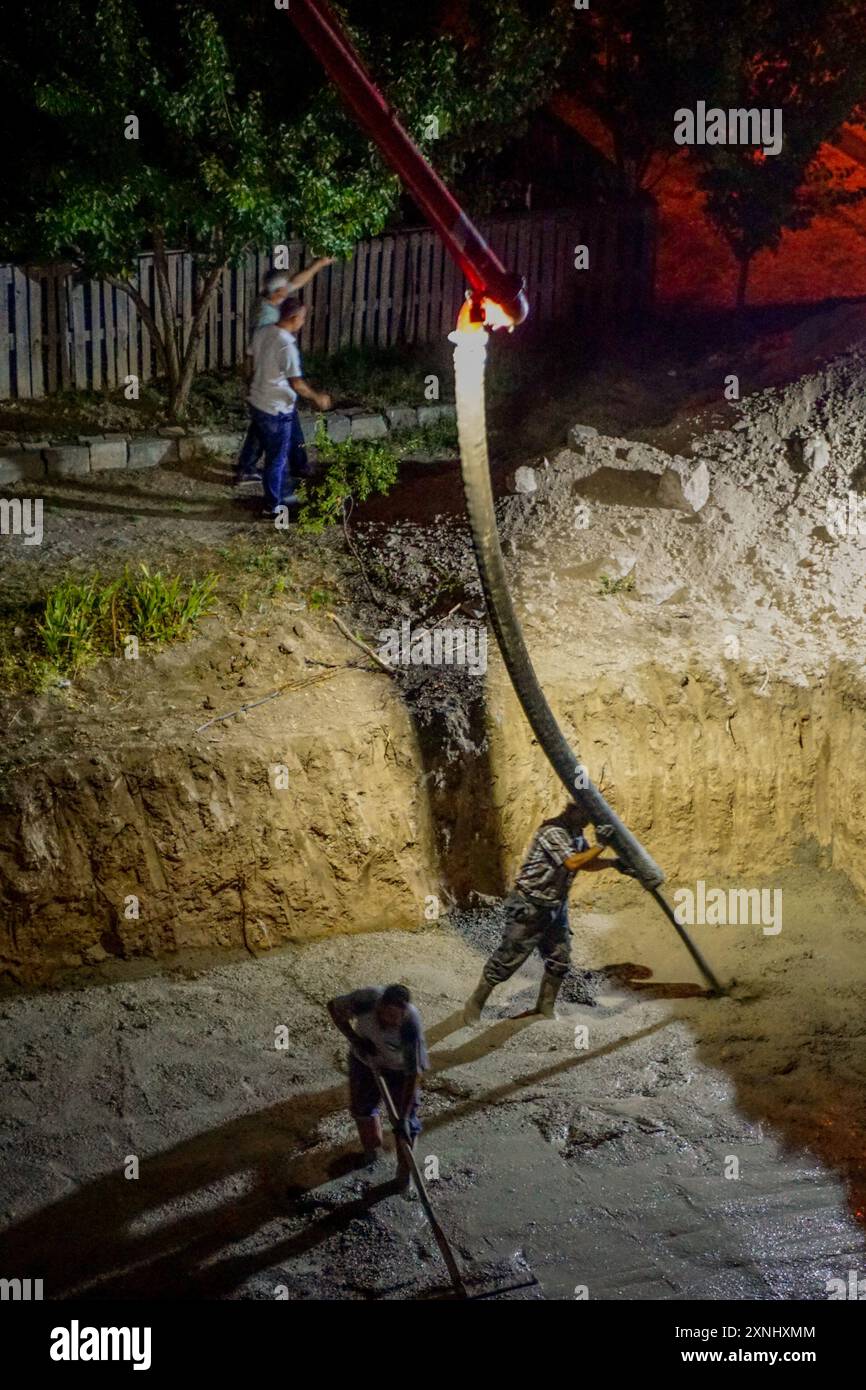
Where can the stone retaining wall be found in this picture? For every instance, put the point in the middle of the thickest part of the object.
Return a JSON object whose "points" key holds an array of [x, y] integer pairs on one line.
{"points": [[35, 460]]}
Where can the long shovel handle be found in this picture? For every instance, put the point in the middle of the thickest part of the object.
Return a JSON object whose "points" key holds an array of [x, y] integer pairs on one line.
{"points": [[409, 1158]]}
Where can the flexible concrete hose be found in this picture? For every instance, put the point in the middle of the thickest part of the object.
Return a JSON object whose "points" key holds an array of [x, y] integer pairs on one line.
{"points": [[470, 354], [469, 361]]}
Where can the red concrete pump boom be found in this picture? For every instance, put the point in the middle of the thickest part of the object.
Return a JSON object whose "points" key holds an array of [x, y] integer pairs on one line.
{"points": [[321, 31]]}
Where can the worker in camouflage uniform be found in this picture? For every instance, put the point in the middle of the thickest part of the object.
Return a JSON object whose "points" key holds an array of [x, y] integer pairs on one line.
{"points": [[536, 909]]}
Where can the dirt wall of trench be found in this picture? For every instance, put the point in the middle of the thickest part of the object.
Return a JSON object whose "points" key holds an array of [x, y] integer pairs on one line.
{"points": [[717, 773], [239, 842]]}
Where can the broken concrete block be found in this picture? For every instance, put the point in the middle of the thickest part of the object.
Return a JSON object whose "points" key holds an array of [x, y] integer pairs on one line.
{"points": [[369, 427], [685, 487], [107, 453], [525, 480], [150, 452], [339, 427], [815, 452], [579, 434], [222, 444], [429, 414], [20, 466], [402, 417], [189, 447], [67, 460]]}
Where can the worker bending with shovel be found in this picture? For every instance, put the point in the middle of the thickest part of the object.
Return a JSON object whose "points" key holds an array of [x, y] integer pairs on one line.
{"points": [[386, 1037], [536, 909]]}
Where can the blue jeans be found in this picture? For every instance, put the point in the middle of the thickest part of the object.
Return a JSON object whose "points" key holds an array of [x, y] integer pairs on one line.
{"points": [[297, 464], [270, 435]]}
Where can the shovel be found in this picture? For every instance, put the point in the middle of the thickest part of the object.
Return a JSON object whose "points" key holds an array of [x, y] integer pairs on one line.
{"points": [[404, 1148]]}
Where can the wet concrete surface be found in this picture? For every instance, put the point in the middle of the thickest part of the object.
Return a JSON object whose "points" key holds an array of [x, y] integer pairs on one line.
{"points": [[659, 1145]]}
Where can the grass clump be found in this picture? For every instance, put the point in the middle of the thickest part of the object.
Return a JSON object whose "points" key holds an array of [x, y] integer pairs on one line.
{"points": [[83, 620]]}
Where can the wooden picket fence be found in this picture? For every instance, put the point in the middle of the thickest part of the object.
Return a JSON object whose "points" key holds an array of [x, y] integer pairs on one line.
{"points": [[57, 332]]}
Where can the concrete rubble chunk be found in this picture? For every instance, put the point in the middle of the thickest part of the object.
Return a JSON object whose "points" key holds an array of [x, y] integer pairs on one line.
{"points": [[525, 479], [428, 414], [150, 453], [685, 487], [369, 427], [227, 442], [339, 426], [67, 460], [579, 434], [815, 452], [20, 466], [107, 453], [402, 417]]}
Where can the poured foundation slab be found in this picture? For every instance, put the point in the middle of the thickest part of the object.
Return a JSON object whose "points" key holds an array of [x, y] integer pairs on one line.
{"points": [[677, 1148]]}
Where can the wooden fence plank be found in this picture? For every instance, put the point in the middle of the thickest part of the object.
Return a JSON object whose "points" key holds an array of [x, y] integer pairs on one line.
{"points": [[5, 336], [37, 335], [79, 337], [316, 297], [144, 371], [362, 257], [22, 333], [93, 298], [350, 267], [412, 287], [371, 306], [396, 330], [121, 336], [52, 333], [385, 295], [110, 320]]}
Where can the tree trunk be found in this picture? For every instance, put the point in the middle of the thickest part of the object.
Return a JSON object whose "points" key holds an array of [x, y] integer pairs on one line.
{"points": [[167, 310], [179, 393], [177, 361]]}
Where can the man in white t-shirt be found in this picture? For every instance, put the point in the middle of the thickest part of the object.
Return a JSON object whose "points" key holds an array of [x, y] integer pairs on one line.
{"points": [[276, 286], [277, 381]]}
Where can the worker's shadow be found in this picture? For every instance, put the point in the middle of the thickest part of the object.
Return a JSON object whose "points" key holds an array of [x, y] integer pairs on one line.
{"points": [[169, 1232]]}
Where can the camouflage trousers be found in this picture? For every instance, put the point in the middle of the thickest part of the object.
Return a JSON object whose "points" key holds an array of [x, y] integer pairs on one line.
{"points": [[527, 926]]}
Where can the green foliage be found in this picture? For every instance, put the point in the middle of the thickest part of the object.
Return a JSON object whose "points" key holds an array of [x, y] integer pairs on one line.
{"points": [[85, 619], [242, 140], [624, 585], [319, 599], [356, 469], [353, 471]]}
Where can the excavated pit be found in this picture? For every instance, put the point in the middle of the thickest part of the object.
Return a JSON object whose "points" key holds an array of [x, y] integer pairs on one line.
{"points": [[596, 1151], [651, 1143]]}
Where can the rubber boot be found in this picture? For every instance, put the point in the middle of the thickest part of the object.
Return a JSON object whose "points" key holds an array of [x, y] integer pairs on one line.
{"points": [[475, 1003], [550, 987], [370, 1135]]}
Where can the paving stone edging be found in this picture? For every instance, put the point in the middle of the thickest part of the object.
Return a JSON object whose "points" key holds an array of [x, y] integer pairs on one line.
{"points": [[36, 460]]}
